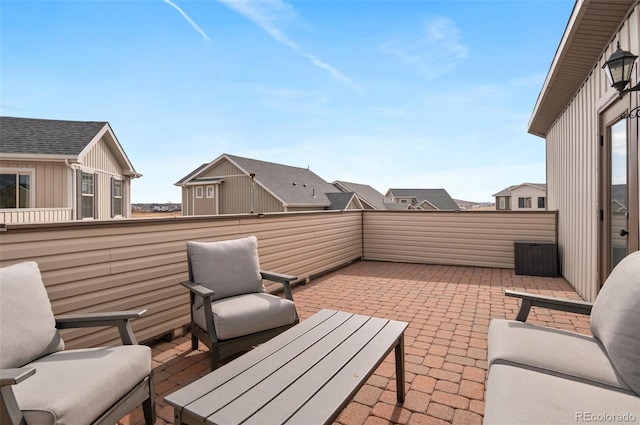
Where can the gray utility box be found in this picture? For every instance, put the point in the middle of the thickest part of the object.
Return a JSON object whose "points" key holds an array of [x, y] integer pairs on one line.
{"points": [[536, 258]]}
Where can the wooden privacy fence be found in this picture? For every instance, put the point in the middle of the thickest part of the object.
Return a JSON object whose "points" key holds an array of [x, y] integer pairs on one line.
{"points": [[137, 263]]}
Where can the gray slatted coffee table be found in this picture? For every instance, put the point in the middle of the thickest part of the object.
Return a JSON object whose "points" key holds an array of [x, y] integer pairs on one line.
{"points": [[305, 375]]}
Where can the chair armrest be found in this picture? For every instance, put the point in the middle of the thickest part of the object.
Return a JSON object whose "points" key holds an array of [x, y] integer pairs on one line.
{"points": [[285, 279], [15, 376], [277, 277], [115, 318], [198, 289], [561, 304], [10, 411]]}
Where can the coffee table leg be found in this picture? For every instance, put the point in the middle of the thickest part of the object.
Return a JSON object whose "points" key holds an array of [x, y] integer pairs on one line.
{"points": [[400, 369]]}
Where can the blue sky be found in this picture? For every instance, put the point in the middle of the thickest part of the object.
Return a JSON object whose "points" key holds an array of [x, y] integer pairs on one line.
{"points": [[390, 93]]}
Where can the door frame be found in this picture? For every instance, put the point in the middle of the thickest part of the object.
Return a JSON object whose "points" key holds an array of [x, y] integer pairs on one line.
{"points": [[615, 112]]}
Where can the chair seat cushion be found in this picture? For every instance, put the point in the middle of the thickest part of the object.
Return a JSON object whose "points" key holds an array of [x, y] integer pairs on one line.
{"points": [[541, 347], [247, 314], [77, 386], [517, 395]]}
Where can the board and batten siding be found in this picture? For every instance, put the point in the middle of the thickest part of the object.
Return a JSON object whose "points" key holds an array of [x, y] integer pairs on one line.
{"points": [[100, 157], [137, 263], [101, 161], [572, 155], [51, 183], [475, 238]]}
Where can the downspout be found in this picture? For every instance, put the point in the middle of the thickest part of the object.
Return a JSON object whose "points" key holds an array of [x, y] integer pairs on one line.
{"points": [[73, 193]]}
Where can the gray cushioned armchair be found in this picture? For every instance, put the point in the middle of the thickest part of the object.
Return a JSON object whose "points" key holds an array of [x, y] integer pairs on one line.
{"points": [[41, 383], [230, 309], [542, 375]]}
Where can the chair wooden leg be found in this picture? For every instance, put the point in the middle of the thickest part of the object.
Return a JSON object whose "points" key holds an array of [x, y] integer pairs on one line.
{"points": [[149, 405]]}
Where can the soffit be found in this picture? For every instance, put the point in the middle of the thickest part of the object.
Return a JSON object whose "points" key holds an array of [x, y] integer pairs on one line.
{"points": [[589, 31]]}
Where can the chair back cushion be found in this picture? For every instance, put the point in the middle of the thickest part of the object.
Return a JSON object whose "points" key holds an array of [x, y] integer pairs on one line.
{"points": [[615, 319], [227, 267], [27, 326]]}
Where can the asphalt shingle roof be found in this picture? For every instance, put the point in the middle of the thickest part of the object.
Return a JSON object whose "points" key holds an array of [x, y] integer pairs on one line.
{"points": [[294, 185], [507, 191], [46, 137], [439, 198], [366, 192], [339, 200]]}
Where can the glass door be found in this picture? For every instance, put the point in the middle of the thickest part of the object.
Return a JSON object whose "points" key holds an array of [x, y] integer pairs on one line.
{"points": [[618, 186]]}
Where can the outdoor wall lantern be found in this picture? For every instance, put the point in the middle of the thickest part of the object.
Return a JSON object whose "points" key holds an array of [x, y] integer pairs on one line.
{"points": [[618, 69]]}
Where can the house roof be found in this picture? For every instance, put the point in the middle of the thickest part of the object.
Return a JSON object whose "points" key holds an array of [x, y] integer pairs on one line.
{"points": [[42, 137], [589, 32], [507, 191], [46, 137], [365, 192], [293, 186], [191, 175], [439, 198], [340, 200]]}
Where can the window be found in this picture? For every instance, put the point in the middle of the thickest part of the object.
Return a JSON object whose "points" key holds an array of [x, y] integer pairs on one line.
{"points": [[524, 202], [116, 197], [542, 202], [198, 191], [87, 201], [210, 191], [502, 203], [15, 190]]}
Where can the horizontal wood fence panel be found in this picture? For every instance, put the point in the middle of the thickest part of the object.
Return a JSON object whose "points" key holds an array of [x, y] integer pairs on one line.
{"points": [[463, 238], [137, 263]]}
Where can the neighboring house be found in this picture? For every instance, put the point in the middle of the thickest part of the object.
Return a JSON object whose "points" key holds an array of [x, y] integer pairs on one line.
{"points": [[591, 134], [53, 170], [525, 196], [370, 198], [421, 199], [235, 185]]}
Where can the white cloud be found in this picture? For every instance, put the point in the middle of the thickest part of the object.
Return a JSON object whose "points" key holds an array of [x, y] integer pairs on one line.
{"points": [[185, 16], [267, 14], [437, 51]]}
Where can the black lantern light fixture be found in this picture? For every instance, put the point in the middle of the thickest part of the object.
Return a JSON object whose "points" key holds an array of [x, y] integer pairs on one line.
{"points": [[618, 69]]}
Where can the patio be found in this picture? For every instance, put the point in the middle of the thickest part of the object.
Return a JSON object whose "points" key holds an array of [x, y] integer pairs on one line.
{"points": [[448, 309]]}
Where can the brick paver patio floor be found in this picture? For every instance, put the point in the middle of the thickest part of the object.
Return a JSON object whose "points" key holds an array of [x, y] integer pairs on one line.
{"points": [[448, 309]]}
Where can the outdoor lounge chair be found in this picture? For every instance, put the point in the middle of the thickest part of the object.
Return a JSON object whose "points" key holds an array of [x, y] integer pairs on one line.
{"points": [[230, 309], [41, 383], [545, 375]]}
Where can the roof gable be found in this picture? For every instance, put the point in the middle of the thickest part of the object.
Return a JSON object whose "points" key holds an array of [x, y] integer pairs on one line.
{"points": [[365, 192], [507, 191], [293, 186], [439, 198]]}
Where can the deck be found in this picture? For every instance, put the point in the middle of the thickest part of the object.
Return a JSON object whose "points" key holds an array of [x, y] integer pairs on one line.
{"points": [[448, 309]]}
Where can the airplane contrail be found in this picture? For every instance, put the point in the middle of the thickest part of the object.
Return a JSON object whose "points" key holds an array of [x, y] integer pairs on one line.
{"points": [[185, 16]]}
